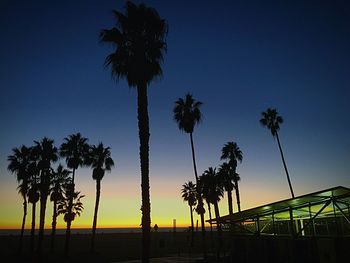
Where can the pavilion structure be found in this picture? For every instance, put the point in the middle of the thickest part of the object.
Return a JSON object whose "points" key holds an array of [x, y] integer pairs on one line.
{"points": [[322, 213]]}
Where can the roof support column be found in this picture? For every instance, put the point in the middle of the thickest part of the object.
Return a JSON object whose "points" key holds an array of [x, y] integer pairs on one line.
{"points": [[273, 223], [291, 222], [311, 221], [335, 217]]}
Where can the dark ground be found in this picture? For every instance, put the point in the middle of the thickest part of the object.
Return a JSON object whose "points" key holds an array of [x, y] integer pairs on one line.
{"points": [[238, 249]]}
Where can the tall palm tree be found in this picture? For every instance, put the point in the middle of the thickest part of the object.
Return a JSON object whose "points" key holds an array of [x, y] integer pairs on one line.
{"points": [[271, 120], [233, 155], [46, 153], [60, 178], [74, 149], [139, 41], [212, 191], [101, 161], [18, 165], [226, 177], [189, 194], [187, 115]]}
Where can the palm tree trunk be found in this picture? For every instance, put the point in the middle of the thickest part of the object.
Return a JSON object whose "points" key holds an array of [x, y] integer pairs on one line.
{"points": [[285, 166], [200, 199], [66, 244], [229, 198], [23, 223], [211, 224], [143, 123], [54, 223], [43, 199], [69, 222], [217, 215], [192, 226], [237, 196], [32, 231], [194, 158], [98, 191]]}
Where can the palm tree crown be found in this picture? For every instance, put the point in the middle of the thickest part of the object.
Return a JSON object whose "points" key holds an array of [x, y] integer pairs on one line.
{"points": [[19, 162], [271, 120], [232, 153], [139, 39], [100, 160], [189, 193], [74, 149], [211, 185], [64, 205], [59, 180], [226, 176], [187, 113]]}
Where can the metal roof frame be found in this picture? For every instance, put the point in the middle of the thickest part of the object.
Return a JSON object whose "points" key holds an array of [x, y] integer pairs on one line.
{"points": [[339, 193]]}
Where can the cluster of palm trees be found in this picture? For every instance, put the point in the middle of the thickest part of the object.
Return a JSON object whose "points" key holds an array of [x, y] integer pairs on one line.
{"points": [[212, 184], [39, 179]]}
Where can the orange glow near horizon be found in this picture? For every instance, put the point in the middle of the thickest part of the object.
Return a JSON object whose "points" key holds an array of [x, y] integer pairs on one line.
{"points": [[120, 202]]}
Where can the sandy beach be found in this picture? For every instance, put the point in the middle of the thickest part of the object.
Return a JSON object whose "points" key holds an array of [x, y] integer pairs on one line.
{"points": [[117, 247]]}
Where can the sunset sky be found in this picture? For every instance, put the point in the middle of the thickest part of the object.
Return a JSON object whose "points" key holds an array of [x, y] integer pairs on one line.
{"points": [[237, 57]]}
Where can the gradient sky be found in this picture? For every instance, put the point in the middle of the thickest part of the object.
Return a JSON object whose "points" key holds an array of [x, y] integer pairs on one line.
{"points": [[237, 57]]}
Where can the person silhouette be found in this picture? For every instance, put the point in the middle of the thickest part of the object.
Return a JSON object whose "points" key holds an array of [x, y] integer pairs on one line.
{"points": [[155, 227]]}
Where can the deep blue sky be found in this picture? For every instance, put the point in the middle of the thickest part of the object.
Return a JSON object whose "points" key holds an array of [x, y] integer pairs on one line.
{"points": [[237, 57]]}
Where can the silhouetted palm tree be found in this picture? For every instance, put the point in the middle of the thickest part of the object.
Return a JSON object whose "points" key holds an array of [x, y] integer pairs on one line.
{"points": [[189, 194], [74, 150], [139, 41], [100, 160], [60, 178], [212, 190], [46, 153], [18, 165], [271, 120], [69, 209], [187, 115], [233, 155], [226, 177]]}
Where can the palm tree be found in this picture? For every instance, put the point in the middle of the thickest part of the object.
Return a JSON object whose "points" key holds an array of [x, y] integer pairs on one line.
{"points": [[69, 209], [74, 149], [189, 194], [59, 180], [187, 115], [100, 160], [18, 165], [233, 155], [139, 41], [212, 190], [226, 177], [46, 153], [271, 120], [33, 198], [33, 193]]}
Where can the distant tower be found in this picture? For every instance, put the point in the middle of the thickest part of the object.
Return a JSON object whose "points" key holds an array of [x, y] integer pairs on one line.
{"points": [[174, 225]]}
